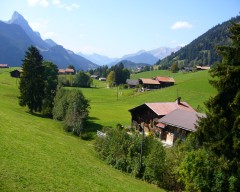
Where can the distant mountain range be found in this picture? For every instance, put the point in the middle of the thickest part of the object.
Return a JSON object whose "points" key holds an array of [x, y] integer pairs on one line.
{"points": [[142, 56], [16, 36], [202, 50]]}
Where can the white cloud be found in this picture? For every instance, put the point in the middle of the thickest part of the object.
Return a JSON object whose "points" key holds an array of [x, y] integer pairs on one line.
{"points": [[68, 7], [33, 3], [181, 25]]}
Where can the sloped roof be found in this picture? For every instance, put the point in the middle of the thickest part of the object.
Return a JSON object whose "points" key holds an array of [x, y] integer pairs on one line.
{"points": [[69, 70], [203, 67], [4, 65], [182, 119], [167, 107], [132, 81], [165, 79], [149, 81], [164, 108], [61, 70]]}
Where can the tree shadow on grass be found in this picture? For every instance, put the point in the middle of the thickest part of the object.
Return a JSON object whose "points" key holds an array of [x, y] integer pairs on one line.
{"points": [[40, 115], [92, 126]]}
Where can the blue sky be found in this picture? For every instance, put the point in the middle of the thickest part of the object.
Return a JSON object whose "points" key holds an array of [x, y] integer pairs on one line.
{"points": [[118, 27]]}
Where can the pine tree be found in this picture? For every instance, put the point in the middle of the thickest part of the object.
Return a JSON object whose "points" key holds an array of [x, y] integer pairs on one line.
{"points": [[220, 131], [32, 81]]}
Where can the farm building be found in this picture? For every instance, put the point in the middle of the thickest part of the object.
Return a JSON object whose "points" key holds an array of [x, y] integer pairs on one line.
{"points": [[66, 71], [4, 66], [165, 81], [94, 76], [149, 83], [149, 115], [16, 73], [132, 83], [202, 67], [102, 79], [177, 125]]}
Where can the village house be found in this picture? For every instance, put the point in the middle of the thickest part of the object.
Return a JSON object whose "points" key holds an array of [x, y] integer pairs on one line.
{"points": [[203, 67], [165, 81], [66, 71], [148, 116], [94, 76], [148, 84], [177, 125], [102, 79], [4, 66]]}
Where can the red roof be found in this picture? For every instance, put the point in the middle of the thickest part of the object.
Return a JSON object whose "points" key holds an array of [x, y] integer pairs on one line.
{"points": [[69, 70], [162, 125], [165, 79], [149, 81], [61, 70], [4, 65], [165, 108]]}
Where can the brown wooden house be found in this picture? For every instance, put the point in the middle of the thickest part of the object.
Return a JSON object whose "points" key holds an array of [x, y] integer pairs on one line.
{"points": [[165, 81], [148, 114], [149, 83], [177, 125]]}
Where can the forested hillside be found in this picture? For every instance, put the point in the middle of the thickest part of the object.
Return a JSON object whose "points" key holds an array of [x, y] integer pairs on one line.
{"points": [[202, 51]]}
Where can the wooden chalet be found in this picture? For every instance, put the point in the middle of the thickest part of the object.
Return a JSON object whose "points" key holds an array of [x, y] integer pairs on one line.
{"points": [[203, 67], [149, 83], [149, 114], [165, 81], [4, 66], [66, 71], [177, 125]]}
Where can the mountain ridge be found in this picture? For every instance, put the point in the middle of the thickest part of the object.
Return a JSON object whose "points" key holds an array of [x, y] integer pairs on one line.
{"points": [[23, 36]]}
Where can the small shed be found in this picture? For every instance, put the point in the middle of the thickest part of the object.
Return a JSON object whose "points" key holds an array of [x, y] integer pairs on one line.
{"points": [[15, 73]]}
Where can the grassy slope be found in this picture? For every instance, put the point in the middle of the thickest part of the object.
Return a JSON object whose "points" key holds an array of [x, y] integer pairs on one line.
{"points": [[107, 110], [37, 155]]}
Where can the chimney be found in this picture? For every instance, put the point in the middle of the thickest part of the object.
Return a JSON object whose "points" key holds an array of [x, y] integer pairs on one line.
{"points": [[178, 101]]}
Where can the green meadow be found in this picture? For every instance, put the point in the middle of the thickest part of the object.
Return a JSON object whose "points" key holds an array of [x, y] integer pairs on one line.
{"points": [[110, 106], [37, 155]]}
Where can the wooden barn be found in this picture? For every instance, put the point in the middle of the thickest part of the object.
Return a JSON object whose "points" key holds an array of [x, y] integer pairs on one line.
{"points": [[4, 66], [149, 83], [165, 81]]}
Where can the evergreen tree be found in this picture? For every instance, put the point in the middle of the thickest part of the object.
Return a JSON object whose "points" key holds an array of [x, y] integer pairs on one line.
{"points": [[219, 133], [32, 81]]}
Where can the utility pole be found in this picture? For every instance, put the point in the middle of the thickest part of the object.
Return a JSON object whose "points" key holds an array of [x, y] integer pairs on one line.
{"points": [[141, 146]]}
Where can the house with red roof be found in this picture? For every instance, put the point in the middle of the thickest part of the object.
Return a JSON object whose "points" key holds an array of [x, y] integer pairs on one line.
{"points": [[150, 117], [165, 81], [4, 66]]}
